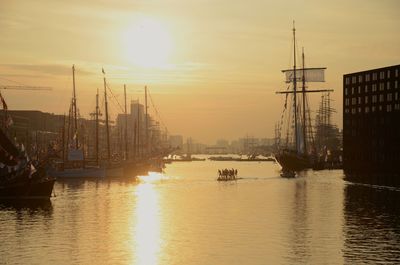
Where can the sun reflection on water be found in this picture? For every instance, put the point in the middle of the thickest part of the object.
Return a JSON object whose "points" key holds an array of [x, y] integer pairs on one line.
{"points": [[146, 233], [152, 177]]}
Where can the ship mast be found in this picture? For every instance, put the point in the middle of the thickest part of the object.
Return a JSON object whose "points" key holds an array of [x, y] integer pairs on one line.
{"points": [[304, 104], [106, 110], [146, 122], [295, 90], [97, 127], [74, 107], [126, 127]]}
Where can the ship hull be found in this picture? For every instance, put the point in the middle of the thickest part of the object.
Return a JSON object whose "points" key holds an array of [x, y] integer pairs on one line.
{"points": [[293, 161], [27, 186], [78, 173], [33, 189]]}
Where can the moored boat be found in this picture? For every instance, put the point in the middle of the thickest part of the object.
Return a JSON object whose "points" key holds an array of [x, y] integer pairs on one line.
{"points": [[19, 178]]}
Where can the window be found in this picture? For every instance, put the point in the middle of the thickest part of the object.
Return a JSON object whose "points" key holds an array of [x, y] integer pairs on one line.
{"points": [[359, 89], [381, 98], [374, 88], [346, 110], [359, 78], [366, 89], [367, 109], [366, 99], [388, 85], [347, 102], [388, 108], [352, 90], [347, 80], [353, 111], [396, 96], [388, 73], [380, 107], [353, 80], [382, 75], [374, 76], [389, 97], [374, 99], [346, 91], [381, 86], [397, 106], [353, 101], [359, 109], [373, 108], [395, 84], [367, 77], [359, 100], [396, 73]]}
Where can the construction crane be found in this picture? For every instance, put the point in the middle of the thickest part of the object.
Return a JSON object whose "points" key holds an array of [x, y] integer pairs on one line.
{"points": [[25, 88]]}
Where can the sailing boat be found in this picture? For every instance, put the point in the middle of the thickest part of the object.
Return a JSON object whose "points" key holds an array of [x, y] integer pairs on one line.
{"points": [[118, 168], [297, 152], [19, 177], [74, 164]]}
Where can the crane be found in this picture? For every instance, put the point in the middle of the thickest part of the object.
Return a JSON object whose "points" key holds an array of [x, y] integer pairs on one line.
{"points": [[25, 88]]}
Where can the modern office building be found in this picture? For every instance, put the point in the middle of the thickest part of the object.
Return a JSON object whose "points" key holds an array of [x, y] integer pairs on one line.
{"points": [[371, 126]]}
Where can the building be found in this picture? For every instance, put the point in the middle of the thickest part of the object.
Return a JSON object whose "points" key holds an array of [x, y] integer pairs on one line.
{"points": [[176, 142], [371, 126]]}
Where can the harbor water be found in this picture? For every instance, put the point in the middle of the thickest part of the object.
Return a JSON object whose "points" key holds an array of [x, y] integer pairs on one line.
{"points": [[185, 216]]}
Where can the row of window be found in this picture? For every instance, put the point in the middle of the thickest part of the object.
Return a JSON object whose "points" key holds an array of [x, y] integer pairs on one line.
{"points": [[368, 109], [374, 88], [374, 99], [367, 77]]}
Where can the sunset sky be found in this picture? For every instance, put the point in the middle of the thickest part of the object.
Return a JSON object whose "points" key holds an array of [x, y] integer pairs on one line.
{"points": [[212, 67]]}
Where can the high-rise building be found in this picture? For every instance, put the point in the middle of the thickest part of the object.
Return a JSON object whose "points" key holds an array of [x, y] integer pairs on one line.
{"points": [[176, 141], [371, 126]]}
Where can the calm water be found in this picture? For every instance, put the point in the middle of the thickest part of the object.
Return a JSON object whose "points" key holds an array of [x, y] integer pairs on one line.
{"points": [[184, 216]]}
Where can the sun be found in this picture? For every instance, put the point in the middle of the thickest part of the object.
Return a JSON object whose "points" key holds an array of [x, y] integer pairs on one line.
{"points": [[147, 43]]}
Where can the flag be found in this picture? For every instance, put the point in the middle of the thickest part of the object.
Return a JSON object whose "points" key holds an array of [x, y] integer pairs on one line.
{"points": [[102, 70], [9, 121], [32, 171]]}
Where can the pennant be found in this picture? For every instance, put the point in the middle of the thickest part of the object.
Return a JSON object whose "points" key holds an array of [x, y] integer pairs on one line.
{"points": [[32, 171], [9, 121]]}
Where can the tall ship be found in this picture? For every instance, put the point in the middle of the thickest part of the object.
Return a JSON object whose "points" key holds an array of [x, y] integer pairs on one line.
{"points": [[295, 140], [20, 177], [328, 144]]}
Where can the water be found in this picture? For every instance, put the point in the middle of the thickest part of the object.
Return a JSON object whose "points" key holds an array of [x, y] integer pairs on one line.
{"points": [[184, 216]]}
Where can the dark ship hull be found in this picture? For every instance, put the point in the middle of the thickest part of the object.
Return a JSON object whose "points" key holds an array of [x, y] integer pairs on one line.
{"points": [[291, 161], [37, 187]]}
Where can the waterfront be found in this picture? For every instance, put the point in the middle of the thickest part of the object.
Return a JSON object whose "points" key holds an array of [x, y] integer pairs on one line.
{"points": [[184, 216]]}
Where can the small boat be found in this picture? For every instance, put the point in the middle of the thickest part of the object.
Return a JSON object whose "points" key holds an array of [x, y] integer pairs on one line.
{"points": [[227, 175], [226, 179]]}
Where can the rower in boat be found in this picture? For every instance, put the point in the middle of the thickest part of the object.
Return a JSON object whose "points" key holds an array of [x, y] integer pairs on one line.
{"points": [[227, 174]]}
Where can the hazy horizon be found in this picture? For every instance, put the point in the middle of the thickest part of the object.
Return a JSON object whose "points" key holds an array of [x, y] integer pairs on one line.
{"points": [[212, 67]]}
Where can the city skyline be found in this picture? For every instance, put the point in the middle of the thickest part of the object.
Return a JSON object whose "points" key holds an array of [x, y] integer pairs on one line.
{"points": [[212, 69]]}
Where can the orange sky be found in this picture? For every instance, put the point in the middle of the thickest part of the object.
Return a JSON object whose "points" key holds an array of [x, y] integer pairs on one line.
{"points": [[212, 66]]}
